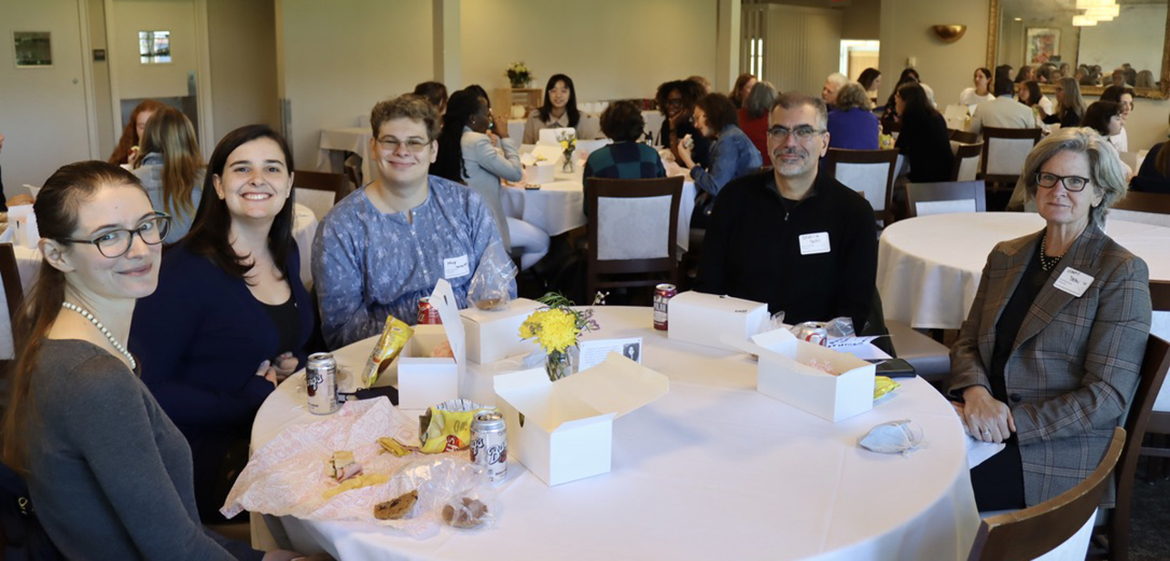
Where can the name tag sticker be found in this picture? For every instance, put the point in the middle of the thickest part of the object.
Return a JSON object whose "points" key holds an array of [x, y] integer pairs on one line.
{"points": [[1073, 282], [456, 267], [813, 244]]}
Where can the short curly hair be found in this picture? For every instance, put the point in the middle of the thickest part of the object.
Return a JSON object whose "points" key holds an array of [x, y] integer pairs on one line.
{"points": [[409, 106], [719, 111], [851, 96], [622, 121], [1106, 175]]}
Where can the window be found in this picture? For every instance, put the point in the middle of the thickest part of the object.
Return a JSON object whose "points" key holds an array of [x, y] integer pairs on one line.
{"points": [[154, 47], [756, 57]]}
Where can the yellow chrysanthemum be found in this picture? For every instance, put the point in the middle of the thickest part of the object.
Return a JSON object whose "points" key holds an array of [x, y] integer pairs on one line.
{"points": [[554, 329]]}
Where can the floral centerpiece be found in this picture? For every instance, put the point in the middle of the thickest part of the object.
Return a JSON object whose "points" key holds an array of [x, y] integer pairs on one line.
{"points": [[519, 75], [557, 327], [568, 142]]}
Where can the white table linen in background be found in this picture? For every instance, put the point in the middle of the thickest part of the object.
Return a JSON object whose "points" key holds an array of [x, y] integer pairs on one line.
{"points": [[346, 139], [713, 470]]}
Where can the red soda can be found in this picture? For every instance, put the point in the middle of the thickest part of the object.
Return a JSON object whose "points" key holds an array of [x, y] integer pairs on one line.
{"points": [[428, 314], [662, 295]]}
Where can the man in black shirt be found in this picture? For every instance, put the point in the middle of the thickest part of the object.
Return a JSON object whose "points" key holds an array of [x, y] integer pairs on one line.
{"points": [[800, 241]]}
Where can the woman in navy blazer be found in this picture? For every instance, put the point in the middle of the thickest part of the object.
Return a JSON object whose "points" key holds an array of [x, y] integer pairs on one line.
{"points": [[230, 318]]}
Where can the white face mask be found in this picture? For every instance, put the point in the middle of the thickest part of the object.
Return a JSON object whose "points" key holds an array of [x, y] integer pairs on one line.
{"points": [[898, 437]]}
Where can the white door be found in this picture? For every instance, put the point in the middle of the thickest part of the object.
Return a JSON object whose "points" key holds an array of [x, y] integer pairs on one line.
{"points": [[43, 110]]}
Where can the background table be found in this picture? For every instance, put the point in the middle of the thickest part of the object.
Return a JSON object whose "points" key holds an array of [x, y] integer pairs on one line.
{"points": [[711, 470]]}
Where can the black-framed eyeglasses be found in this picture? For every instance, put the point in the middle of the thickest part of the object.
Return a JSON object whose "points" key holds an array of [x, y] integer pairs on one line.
{"points": [[674, 102], [802, 133], [391, 144], [1072, 183], [116, 243]]}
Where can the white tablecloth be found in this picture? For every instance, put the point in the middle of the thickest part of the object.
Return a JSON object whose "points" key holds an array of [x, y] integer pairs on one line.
{"points": [[342, 140], [929, 267], [713, 470]]}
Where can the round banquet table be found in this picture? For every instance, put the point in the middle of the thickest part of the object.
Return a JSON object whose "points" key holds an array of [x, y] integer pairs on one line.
{"points": [[711, 470], [929, 267]]}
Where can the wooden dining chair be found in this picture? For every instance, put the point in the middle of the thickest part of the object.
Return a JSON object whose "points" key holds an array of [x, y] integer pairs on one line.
{"points": [[925, 199], [967, 158], [1159, 427], [1029, 533], [1004, 152], [870, 171], [320, 191], [632, 233], [963, 137]]}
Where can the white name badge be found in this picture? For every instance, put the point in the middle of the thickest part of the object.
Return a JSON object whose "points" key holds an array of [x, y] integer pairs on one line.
{"points": [[456, 267], [812, 244], [1073, 282]]}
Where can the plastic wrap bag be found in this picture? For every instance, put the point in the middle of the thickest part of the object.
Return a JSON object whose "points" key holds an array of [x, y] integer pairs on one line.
{"points": [[491, 286], [840, 327]]}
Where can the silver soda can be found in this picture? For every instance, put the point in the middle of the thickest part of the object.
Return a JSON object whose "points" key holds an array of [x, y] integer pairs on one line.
{"points": [[321, 384], [489, 445], [812, 331]]}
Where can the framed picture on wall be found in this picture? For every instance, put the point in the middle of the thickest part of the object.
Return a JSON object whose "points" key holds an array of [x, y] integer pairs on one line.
{"points": [[34, 49], [1041, 45]]}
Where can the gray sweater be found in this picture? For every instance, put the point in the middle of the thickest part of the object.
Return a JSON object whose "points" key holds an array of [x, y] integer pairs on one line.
{"points": [[110, 474], [150, 174]]}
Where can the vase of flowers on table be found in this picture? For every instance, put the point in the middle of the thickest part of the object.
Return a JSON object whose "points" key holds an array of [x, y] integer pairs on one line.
{"points": [[557, 327], [519, 75], [568, 142]]}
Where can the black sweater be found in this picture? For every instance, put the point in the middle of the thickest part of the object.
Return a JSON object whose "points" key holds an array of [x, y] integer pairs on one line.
{"points": [[752, 250]]}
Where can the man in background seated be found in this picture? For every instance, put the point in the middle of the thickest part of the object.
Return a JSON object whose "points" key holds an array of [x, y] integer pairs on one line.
{"points": [[833, 85], [792, 237], [386, 245], [1002, 112]]}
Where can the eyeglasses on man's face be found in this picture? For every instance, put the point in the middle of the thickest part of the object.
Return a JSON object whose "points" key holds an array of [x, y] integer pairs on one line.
{"points": [[802, 133], [391, 144], [1072, 183], [116, 243]]}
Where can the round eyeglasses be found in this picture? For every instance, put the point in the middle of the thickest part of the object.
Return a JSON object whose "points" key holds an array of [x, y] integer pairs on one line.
{"points": [[116, 243]]}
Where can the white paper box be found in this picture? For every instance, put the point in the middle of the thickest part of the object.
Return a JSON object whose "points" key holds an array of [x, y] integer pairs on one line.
{"points": [[542, 173], [23, 221], [492, 335], [550, 137], [425, 381], [567, 432], [702, 319], [784, 374]]}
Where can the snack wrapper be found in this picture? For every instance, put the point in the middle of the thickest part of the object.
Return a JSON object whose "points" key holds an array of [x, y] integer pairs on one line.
{"points": [[394, 337], [446, 427], [883, 385], [491, 287]]}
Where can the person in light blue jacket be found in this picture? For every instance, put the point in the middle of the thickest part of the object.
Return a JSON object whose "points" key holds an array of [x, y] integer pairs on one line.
{"points": [[732, 153]]}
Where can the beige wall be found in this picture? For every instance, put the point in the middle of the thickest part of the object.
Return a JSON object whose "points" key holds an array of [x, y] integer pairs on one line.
{"points": [[137, 80], [341, 57], [862, 20], [243, 64], [947, 69], [651, 41]]}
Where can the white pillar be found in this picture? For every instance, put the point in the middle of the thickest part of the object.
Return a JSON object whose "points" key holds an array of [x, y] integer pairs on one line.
{"points": [[447, 43], [727, 37]]}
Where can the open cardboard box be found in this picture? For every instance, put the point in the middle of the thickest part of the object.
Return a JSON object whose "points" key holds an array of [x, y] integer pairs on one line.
{"points": [[492, 335], [703, 319], [567, 429], [785, 375], [424, 381]]}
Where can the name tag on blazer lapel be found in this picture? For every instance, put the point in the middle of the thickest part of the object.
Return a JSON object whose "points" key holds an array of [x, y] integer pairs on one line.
{"points": [[1052, 300], [1073, 282]]}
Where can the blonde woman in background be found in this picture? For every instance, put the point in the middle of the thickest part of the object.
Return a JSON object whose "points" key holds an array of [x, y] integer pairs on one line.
{"points": [[171, 168]]}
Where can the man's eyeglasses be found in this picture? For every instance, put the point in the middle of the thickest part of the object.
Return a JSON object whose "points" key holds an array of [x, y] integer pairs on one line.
{"points": [[116, 243], [391, 144], [1072, 183], [802, 133]]}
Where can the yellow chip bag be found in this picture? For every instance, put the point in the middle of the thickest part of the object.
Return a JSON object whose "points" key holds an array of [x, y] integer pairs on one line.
{"points": [[446, 427], [393, 340], [392, 446], [883, 385]]}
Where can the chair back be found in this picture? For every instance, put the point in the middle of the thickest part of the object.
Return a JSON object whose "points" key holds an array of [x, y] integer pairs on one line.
{"points": [[632, 230], [1029, 533], [926, 199], [966, 160], [13, 296], [331, 188], [962, 136], [869, 171], [1004, 152], [1147, 208]]}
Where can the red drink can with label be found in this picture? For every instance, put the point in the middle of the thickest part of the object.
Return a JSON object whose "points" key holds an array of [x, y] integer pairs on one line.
{"points": [[428, 314], [662, 295]]}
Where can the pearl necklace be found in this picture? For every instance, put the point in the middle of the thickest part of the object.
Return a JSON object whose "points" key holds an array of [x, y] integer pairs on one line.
{"points": [[1048, 263], [113, 341]]}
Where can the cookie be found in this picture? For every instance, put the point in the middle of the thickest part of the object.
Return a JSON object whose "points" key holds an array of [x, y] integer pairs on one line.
{"points": [[397, 508], [468, 515]]}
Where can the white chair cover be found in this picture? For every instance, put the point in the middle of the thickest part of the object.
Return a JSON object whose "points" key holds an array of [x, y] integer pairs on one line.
{"points": [[870, 179], [320, 202], [1005, 156], [926, 208], [1153, 218], [632, 228]]}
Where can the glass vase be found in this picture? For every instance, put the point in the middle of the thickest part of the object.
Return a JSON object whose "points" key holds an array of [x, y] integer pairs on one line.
{"points": [[559, 364], [567, 165]]}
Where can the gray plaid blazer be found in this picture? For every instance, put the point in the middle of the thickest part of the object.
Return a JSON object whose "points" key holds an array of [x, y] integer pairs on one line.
{"points": [[1075, 363]]}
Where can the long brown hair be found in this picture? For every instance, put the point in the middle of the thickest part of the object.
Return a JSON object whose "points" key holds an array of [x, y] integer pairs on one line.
{"points": [[170, 133], [130, 132], [56, 209]]}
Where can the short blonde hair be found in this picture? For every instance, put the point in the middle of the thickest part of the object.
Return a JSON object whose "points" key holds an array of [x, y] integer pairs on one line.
{"points": [[1105, 173]]}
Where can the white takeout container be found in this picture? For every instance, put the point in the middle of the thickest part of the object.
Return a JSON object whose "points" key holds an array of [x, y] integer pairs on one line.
{"points": [[784, 374], [703, 319], [492, 335], [541, 173], [567, 432], [424, 381]]}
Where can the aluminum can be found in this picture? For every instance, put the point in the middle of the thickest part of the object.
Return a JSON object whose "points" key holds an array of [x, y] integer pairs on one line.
{"points": [[662, 295], [428, 314], [321, 384], [812, 331], [489, 445]]}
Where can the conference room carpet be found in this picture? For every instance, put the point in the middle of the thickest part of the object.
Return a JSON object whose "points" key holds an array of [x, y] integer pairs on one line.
{"points": [[1149, 540]]}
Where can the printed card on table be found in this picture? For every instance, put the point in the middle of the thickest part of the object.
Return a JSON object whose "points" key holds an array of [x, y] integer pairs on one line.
{"points": [[593, 352]]}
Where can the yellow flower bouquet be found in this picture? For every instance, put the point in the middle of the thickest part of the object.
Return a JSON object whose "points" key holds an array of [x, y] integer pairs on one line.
{"points": [[568, 141], [557, 328]]}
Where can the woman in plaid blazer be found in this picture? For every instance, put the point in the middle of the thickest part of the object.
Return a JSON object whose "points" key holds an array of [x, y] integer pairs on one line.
{"points": [[1048, 359]]}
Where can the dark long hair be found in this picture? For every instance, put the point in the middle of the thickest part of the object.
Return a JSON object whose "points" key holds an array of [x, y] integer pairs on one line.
{"points": [[917, 107], [56, 210], [909, 75], [867, 77], [570, 108], [211, 230], [462, 105], [1034, 94], [1098, 114]]}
